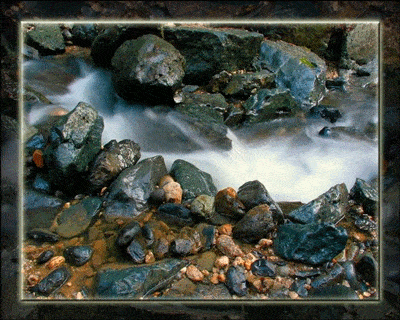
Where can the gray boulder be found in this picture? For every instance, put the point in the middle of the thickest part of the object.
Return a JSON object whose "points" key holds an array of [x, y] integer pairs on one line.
{"points": [[363, 43], [147, 69], [47, 39]]}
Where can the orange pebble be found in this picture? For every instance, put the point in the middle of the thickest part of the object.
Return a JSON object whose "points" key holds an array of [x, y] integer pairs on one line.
{"points": [[38, 158]]}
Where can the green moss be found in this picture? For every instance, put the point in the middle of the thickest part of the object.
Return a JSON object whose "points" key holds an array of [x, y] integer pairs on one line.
{"points": [[308, 63]]}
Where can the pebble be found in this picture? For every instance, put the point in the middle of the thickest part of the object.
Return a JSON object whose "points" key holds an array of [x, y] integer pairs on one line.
{"points": [[238, 261], [78, 255], [227, 203], [194, 274], [236, 281], [228, 247], [264, 268], [51, 282], [221, 262], [45, 256], [128, 233], [55, 262], [225, 229], [136, 252], [149, 258]]}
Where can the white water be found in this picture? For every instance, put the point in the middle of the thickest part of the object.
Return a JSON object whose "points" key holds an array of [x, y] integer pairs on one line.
{"points": [[295, 167]]}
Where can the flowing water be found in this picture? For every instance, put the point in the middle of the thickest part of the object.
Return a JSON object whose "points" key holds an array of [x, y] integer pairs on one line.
{"points": [[287, 156]]}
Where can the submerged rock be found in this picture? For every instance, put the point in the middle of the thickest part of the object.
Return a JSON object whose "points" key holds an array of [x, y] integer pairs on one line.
{"points": [[313, 243], [147, 69], [128, 233], [367, 267], [136, 252], [137, 282], [175, 214], [42, 235], [366, 195], [236, 281], [228, 204], [334, 292], [78, 255], [263, 268], [326, 112], [45, 256], [51, 282]]}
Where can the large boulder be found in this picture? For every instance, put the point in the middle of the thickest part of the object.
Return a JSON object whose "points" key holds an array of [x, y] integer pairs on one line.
{"points": [[208, 51], [147, 69], [296, 68], [328, 207], [131, 190], [46, 38], [74, 142], [363, 42]]}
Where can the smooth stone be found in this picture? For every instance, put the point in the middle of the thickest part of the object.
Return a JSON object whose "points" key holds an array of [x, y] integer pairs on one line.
{"points": [[203, 207], [207, 235], [51, 282], [236, 281], [228, 204], [334, 275], [351, 275], [263, 268], [366, 195], [182, 247], [78, 255], [157, 197], [45, 256], [136, 252], [127, 234], [175, 214], [335, 292], [367, 268], [138, 281], [42, 235], [298, 286], [313, 243]]}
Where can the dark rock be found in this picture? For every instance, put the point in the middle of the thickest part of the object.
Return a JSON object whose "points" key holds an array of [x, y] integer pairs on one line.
{"points": [[253, 193], [127, 234], [367, 268], [299, 286], [133, 186], [37, 200], [351, 275], [41, 184], [281, 293], [236, 281], [194, 182], [297, 69], [182, 247], [207, 235], [326, 132], [236, 115], [42, 235], [68, 157], [78, 255], [157, 197], [147, 69], [77, 218], [111, 160], [228, 204], [365, 224], [328, 207], [308, 273], [51, 282], [337, 83], [335, 292], [209, 50], [136, 252], [45, 256], [47, 39], [313, 243], [366, 195], [326, 112], [263, 268], [270, 104], [258, 223], [161, 248], [84, 34], [34, 143], [148, 234], [175, 214], [335, 275], [138, 281]]}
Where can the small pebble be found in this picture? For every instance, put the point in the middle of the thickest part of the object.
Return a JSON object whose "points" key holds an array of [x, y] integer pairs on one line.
{"points": [[194, 274], [238, 261], [214, 278], [55, 262], [293, 295], [221, 262], [221, 277], [225, 229]]}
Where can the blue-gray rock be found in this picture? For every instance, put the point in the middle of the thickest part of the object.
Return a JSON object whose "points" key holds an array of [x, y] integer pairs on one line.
{"points": [[351, 275], [79, 140], [111, 160], [136, 282], [147, 69], [51, 282], [367, 268], [45, 256], [78, 255], [334, 292], [41, 184], [148, 235], [329, 113], [181, 247], [175, 214], [77, 218], [209, 51], [46, 38], [236, 281], [366, 195], [134, 185], [35, 142], [333, 276], [299, 286], [41, 235], [313, 243], [127, 234], [254, 193], [365, 224], [263, 268], [84, 34], [193, 181], [328, 207], [296, 68], [270, 104], [207, 235], [136, 252]]}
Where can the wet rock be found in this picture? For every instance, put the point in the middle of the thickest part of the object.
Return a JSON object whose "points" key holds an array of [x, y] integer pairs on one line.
{"points": [[45, 256], [263, 268], [207, 235], [326, 112], [182, 247], [351, 275], [299, 286], [77, 218], [79, 140], [335, 292], [270, 104], [47, 39], [335, 275], [209, 50], [84, 34], [206, 260], [211, 292], [194, 182], [51, 282], [136, 252], [183, 289], [41, 184], [228, 204], [34, 143], [148, 235], [253, 193], [138, 281], [78, 255], [366, 195], [367, 267], [147, 69], [42, 235], [111, 160], [228, 247], [194, 274], [328, 207], [365, 224], [236, 281], [297, 69], [157, 197], [127, 234], [172, 190], [134, 185], [326, 132], [336, 83], [258, 223], [203, 207], [175, 214], [161, 248], [313, 243]]}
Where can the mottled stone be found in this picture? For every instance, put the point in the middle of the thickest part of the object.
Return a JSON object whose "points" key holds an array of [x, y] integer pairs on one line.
{"points": [[228, 204], [366, 195], [236, 281], [53, 281]]}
